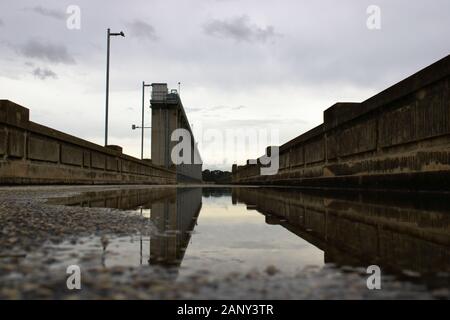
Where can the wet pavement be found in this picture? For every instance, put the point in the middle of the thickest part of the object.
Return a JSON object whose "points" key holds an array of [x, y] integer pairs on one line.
{"points": [[149, 242]]}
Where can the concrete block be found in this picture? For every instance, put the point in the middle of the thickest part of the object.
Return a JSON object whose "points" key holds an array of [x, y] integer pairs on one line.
{"points": [[297, 157], [16, 144], [115, 148], [314, 151], [397, 126], [42, 149], [3, 140], [98, 160], [331, 146], [125, 166], [339, 113], [86, 159], [432, 106], [111, 164], [71, 155], [13, 114], [361, 137]]}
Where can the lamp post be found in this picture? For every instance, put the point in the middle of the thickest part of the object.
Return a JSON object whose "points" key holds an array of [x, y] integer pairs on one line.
{"points": [[109, 34], [142, 127], [134, 127]]}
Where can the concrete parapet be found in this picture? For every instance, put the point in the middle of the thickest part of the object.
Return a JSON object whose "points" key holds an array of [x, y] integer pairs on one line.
{"points": [[398, 138], [34, 154]]}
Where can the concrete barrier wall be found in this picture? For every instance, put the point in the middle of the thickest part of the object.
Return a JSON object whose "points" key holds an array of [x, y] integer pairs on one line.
{"points": [[400, 138], [34, 154]]}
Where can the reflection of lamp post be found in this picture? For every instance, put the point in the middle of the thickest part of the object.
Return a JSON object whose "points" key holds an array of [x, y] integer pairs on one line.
{"points": [[107, 79], [142, 127], [134, 127]]}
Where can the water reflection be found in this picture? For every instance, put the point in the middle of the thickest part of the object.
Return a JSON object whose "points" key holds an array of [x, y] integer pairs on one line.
{"points": [[175, 218], [398, 232], [173, 213]]}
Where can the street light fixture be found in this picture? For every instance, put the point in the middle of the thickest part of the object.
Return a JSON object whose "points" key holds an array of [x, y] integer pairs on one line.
{"points": [[109, 34], [134, 127]]}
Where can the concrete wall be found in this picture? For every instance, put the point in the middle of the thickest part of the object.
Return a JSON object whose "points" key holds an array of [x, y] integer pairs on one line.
{"points": [[400, 138], [34, 154], [168, 115]]}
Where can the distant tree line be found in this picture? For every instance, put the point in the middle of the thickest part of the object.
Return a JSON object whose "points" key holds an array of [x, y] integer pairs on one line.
{"points": [[216, 176]]}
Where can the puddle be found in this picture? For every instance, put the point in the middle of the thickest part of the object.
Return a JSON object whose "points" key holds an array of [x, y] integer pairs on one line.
{"points": [[223, 230]]}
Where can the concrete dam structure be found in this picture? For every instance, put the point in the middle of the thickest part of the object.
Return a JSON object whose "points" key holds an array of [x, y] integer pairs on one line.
{"points": [[399, 139], [168, 117]]}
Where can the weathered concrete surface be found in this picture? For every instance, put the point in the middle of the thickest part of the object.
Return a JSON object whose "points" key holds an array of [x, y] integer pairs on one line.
{"points": [[399, 138], [34, 154], [168, 115]]}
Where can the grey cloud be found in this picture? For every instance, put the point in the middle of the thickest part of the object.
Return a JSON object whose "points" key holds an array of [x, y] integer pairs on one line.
{"points": [[142, 30], [44, 73], [240, 29], [55, 53], [216, 108], [56, 14], [1, 23], [260, 122], [193, 109]]}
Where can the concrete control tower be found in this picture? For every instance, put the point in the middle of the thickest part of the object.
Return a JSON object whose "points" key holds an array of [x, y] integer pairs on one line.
{"points": [[168, 115]]}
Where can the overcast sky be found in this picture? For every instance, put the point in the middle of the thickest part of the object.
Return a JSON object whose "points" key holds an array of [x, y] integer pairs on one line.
{"points": [[241, 64]]}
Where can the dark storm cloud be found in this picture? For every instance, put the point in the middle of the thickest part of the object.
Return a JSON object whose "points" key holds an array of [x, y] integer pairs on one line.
{"points": [[44, 73], [46, 12], [142, 30], [55, 53], [240, 29]]}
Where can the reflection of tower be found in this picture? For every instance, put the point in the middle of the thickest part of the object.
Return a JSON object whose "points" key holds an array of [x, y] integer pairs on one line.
{"points": [[174, 219]]}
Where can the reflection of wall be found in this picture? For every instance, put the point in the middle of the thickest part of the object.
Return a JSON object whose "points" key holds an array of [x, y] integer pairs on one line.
{"points": [[124, 199], [174, 213], [175, 219], [359, 230]]}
